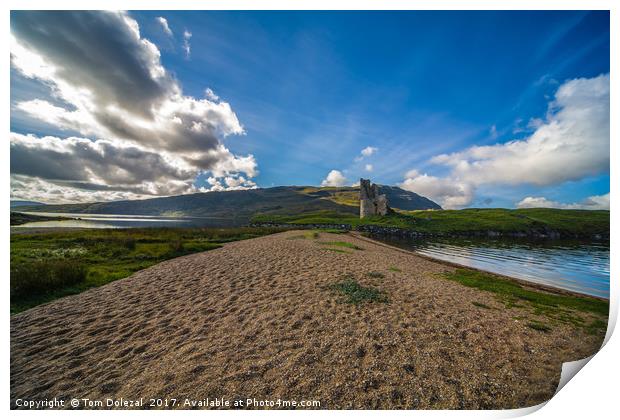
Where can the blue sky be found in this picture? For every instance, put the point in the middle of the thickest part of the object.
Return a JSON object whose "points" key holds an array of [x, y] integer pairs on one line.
{"points": [[313, 89]]}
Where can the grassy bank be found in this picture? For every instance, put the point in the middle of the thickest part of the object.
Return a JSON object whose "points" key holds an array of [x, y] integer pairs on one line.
{"points": [[567, 222], [47, 266], [22, 218], [546, 309]]}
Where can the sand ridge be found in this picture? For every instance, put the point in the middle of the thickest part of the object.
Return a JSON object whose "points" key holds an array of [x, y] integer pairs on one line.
{"points": [[256, 319]]}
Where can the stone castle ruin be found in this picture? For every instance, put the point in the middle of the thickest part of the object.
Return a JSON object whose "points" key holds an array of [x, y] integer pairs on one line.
{"points": [[371, 202]]}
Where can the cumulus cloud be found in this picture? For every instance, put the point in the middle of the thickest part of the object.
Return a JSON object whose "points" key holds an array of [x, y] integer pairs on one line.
{"points": [[334, 178], [164, 25], [447, 192], [571, 143], [595, 202], [110, 87], [368, 167]]}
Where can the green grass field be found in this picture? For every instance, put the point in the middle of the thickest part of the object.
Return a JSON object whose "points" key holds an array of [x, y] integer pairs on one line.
{"points": [[570, 222], [47, 266]]}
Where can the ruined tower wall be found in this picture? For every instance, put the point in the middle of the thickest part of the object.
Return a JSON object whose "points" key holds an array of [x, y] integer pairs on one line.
{"points": [[371, 202]]}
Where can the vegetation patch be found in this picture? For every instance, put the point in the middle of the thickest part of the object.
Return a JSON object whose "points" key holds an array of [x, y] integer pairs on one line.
{"points": [[539, 326], [376, 275], [395, 269], [47, 266], [557, 308], [466, 221], [514, 292], [596, 327], [340, 251], [481, 305], [342, 244], [356, 294], [312, 235]]}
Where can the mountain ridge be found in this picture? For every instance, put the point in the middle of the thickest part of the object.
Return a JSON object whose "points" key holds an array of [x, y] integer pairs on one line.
{"points": [[239, 206]]}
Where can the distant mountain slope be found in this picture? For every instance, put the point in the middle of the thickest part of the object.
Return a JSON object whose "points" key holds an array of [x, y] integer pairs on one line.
{"points": [[19, 203], [239, 206]]}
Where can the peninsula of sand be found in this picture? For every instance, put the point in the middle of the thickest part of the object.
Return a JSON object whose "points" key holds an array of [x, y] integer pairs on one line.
{"points": [[294, 316]]}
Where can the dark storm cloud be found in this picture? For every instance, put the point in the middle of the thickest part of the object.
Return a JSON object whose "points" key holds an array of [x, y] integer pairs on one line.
{"points": [[98, 51], [81, 160]]}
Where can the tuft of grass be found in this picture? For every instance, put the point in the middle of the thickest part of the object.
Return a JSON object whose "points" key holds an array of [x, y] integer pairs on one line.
{"points": [[357, 294], [340, 251], [342, 244], [595, 327], [395, 269], [539, 326], [312, 235], [512, 292], [296, 237], [335, 231], [481, 305], [376, 275]]}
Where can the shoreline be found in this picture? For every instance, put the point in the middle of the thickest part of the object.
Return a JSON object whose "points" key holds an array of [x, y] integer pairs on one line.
{"points": [[525, 283]]}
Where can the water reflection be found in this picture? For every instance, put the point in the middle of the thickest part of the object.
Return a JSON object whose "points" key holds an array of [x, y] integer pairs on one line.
{"points": [[109, 221], [577, 266]]}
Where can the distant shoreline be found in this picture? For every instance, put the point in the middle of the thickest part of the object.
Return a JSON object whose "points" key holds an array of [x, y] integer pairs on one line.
{"points": [[19, 218]]}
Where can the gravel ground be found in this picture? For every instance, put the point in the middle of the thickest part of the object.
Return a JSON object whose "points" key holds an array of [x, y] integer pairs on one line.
{"points": [[257, 319]]}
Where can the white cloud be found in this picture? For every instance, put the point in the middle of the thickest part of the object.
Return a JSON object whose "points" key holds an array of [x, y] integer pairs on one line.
{"points": [[366, 152], [334, 178], [369, 151], [229, 183], [571, 143], [595, 202], [164, 24], [211, 95], [368, 167], [111, 88], [448, 193], [186, 46]]}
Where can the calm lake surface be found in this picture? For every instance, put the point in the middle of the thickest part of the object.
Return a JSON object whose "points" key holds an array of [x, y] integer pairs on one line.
{"points": [[109, 221], [576, 266]]}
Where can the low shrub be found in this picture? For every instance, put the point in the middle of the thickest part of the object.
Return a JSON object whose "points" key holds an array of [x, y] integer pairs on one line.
{"points": [[42, 277]]}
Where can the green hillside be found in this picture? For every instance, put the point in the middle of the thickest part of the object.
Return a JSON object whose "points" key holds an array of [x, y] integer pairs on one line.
{"points": [[468, 221], [238, 207]]}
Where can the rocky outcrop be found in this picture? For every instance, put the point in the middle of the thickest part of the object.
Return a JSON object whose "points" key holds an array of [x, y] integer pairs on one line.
{"points": [[371, 202]]}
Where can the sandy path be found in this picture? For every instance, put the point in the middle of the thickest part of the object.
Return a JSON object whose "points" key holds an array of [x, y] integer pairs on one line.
{"points": [[255, 320]]}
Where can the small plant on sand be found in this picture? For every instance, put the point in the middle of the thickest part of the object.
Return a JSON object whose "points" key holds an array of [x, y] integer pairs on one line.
{"points": [[357, 294], [481, 305], [376, 275], [340, 251], [343, 245], [296, 237], [395, 269], [312, 235], [539, 326]]}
